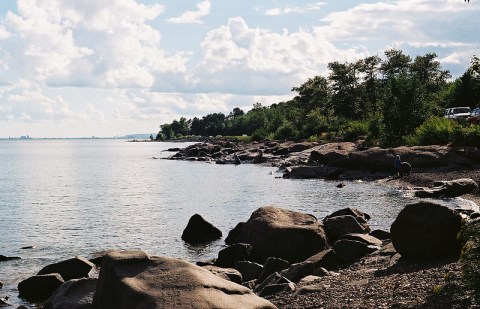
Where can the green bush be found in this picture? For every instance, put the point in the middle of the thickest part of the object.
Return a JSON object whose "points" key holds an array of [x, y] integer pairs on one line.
{"points": [[435, 131], [470, 257], [354, 130]]}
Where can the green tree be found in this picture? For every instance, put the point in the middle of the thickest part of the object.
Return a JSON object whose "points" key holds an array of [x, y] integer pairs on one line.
{"points": [[396, 63], [344, 81]]}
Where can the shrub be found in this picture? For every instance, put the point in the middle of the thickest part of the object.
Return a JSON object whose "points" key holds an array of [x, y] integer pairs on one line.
{"points": [[354, 130], [435, 131], [470, 257]]}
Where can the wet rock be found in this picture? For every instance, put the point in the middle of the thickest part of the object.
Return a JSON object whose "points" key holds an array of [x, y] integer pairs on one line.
{"points": [[4, 258], [73, 294], [426, 231], [198, 230], [276, 232], [75, 268], [360, 216], [133, 279], [40, 287]]}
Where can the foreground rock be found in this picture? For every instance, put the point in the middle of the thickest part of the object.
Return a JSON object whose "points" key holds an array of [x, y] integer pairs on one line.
{"points": [[276, 232], [198, 230], [135, 280], [426, 231]]}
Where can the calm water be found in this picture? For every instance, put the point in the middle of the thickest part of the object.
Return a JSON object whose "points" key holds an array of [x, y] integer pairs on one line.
{"points": [[77, 197]]}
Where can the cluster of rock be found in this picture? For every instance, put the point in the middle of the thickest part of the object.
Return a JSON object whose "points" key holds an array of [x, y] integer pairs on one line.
{"points": [[344, 160], [277, 248], [269, 253]]}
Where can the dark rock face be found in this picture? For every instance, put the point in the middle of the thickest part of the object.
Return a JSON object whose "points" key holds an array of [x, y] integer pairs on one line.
{"points": [[426, 231], [272, 265], [40, 287], [198, 230], [326, 259], [451, 188], [276, 232], [336, 227], [249, 270], [360, 216], [4, 258], [298, 271], [73, 294], [380, 234], [231, 254], [350, 251], [133, 279], [75, 268]]}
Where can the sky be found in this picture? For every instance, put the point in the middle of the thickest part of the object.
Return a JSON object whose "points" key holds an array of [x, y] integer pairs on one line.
{"points": [[116, 67]]}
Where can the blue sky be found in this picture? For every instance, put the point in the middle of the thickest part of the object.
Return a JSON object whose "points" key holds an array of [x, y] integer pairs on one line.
{"points": [[114, 67]]}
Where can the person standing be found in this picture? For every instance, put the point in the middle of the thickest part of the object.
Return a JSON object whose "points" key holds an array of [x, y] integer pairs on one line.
{"points": [[397, 166]]}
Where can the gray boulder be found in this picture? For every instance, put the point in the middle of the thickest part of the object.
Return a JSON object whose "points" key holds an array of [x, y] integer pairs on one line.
{"points": [[450, 189], [425, 231], [276, 232], [40, 287], [198, 230], [73, 294], [133, 279], [336, 227], [231, 254], [76, 268]]}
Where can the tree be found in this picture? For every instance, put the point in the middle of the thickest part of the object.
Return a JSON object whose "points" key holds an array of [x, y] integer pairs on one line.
{"points": [[397, 63], [313, 94], [370, 67], [405, 108], [345, 89]]}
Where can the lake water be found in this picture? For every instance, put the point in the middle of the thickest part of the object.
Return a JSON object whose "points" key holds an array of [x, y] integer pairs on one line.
{"points": [[78, 197]]}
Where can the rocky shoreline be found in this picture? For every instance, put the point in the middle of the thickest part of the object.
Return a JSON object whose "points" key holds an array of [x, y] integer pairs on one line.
{"points": [[287, 259]]}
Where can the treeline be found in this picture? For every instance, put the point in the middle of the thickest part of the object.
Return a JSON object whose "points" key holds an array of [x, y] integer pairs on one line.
{"points": [[384, 100]]}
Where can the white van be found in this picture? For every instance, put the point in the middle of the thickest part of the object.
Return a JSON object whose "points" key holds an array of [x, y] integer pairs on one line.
{"points": [[457, 112]]}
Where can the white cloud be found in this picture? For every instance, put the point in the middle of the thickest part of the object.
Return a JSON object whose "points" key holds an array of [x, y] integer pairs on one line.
{"points": [[88, 43], [193, 17], [243, 60], [287, 10]]}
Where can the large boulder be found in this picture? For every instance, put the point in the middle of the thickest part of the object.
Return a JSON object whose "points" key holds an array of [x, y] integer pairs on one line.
{"points": [[40, 287], [78, 267], [425, 230], [133, 279], [276, 232], [198, 230], [73, 294], [451, 188]]}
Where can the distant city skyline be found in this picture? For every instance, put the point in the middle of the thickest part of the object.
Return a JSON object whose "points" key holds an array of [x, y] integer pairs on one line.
{"points": [[117, 67]]}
